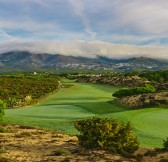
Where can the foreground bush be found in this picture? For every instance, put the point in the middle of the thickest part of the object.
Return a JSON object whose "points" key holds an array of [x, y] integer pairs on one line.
{"points": [[134, 91], [107, 134], [165, 144], [2, 109]]}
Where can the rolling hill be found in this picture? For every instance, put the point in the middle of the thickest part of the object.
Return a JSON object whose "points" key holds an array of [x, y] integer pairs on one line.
{"points": [[27, 61]]}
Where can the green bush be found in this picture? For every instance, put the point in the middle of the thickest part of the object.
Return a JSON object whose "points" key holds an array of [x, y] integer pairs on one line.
{"points": [[22, 90], [134, 91], [2, 108], [165, 144], [60, 152], [160, 76], [2, 130], [107, 134]]}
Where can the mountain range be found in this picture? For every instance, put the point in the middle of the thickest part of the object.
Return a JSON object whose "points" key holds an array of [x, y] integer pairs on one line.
{"points": [[27, 61]]}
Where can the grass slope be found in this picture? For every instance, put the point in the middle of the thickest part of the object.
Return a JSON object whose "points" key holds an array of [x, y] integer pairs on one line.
{"points": [[84, 100]]}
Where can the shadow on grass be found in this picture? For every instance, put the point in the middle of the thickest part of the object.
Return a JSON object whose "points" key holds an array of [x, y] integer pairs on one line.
{"points": [[104, 87], [98, 108], [70, 118], [81, 98], [101, 108]]}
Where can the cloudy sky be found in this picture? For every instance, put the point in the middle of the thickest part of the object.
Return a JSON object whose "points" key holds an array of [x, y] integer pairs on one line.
{"points": [[115, 28]]}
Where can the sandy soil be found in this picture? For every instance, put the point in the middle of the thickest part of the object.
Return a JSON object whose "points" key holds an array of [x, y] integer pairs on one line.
{"points": [[32, 144]]}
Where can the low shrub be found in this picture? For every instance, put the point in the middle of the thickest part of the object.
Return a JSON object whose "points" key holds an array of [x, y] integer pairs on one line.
{"points": [[165, 144], [107, 134], [2, 130], [60, 152], [134, 91], [156, 103], [2, 108]]}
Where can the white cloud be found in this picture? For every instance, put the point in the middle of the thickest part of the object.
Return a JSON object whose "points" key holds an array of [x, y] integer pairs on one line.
{"points": [[28, 25], [144, 15], [118, 21], [88, 49], [79, 8]]}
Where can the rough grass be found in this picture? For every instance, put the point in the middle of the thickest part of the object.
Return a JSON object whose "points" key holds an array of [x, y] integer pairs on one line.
{"points": [[84, 100]]}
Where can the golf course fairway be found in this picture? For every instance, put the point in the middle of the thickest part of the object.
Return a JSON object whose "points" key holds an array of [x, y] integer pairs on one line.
{"points": [[82, 100]]}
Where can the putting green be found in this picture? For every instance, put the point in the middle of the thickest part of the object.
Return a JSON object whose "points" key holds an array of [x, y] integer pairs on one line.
{"points": [[59, 110]]}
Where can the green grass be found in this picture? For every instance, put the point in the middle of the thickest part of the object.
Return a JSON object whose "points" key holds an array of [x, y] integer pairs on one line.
{"points": [[150, 124], [82, 100]]}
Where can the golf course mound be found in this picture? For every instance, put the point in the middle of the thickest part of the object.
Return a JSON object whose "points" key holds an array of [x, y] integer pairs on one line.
{"points": [[146, 100]]}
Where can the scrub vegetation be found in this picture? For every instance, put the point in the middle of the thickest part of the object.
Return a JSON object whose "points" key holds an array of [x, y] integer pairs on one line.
{"points": [[108, 134], [134, 91], [22, 90]]}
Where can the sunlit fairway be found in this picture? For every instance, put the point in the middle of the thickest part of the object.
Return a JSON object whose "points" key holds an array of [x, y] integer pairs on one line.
{"points": [[59, 110]]}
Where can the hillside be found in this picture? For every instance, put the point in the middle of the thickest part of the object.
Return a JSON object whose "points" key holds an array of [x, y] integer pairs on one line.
{"points": [[145, 100], [158, 79], [27, 61]]}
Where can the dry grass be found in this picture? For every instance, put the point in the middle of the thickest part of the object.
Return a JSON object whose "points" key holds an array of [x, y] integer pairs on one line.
{"points": [[33, 144]]}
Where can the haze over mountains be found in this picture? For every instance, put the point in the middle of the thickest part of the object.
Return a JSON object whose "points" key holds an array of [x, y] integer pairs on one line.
{"points": [[87, 49], [27, 61]]}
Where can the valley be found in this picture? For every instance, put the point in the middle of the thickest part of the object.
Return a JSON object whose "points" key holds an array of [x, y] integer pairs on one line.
{"points": [[81, 100], [83, 81]]}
